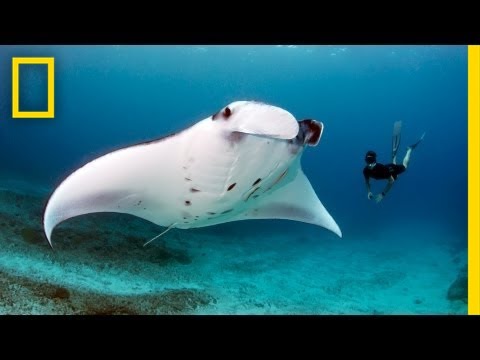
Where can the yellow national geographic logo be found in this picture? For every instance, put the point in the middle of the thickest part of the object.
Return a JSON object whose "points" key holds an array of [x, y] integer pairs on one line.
{"points": [[16, 62]]}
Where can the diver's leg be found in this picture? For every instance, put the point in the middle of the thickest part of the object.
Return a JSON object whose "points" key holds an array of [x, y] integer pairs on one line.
{"points": [[406, 159], [397, 128]]}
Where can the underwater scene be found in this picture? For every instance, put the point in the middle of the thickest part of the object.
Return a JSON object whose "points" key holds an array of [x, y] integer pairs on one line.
{"points": [[233, 180]]}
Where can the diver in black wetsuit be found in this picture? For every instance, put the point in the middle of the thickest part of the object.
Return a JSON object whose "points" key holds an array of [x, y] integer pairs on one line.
{"points": [[390, 171]]}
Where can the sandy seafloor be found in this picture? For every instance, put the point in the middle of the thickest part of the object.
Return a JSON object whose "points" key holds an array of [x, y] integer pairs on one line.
{"points": [[100, 266]]}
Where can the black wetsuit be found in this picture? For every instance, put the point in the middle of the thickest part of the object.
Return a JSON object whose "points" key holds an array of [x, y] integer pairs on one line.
{"points": [[383, 172]]}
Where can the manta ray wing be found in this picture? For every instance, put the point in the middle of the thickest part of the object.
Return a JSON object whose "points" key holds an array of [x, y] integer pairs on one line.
{"points": [[295, 200], [115, 182]]}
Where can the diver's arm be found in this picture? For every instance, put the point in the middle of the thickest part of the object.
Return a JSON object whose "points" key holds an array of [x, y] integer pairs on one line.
{"points": [[389, 186], [380, 196], [367, 184]]}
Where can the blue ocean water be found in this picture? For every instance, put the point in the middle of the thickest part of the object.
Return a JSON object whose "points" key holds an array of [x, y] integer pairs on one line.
{"points": [[108, 97]]}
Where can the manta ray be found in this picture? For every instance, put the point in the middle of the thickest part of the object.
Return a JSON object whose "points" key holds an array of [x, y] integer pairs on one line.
{"points": [[242, 163]]}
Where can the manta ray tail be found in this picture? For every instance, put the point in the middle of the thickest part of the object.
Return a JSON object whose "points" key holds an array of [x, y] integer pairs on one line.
{"points": [[156, 237]]}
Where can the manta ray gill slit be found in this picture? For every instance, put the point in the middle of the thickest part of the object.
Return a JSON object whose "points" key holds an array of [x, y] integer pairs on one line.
{"points": [[251, 193]]}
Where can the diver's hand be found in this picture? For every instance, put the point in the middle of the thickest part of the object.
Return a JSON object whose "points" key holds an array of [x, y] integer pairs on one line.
{"points": [[370, 195], [379, 198]]}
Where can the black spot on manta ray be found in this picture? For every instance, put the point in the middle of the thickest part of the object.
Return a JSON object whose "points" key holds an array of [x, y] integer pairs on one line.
{"points": [[193, 190], [256, 182], [188, 179], [211, 213], [188, 203], [231, 186], [226, 211]]}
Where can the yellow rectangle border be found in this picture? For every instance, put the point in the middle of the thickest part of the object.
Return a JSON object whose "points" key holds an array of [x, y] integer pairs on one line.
{"points": [[16, 62], [473, 179]]}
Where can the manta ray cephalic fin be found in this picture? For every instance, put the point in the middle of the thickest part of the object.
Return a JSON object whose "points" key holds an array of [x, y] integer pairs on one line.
{"points": [[264, 120]]}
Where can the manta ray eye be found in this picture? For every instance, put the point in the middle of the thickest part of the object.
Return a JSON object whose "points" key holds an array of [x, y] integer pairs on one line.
{"points": [[227, 112]]}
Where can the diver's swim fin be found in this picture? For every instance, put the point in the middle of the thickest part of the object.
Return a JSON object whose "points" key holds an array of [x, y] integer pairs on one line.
{"points": [[397, 129], [418, 142]]}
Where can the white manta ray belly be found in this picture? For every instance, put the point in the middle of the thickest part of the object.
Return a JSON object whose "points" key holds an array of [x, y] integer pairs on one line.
{"points": [[224, 172], [241, 163]]}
